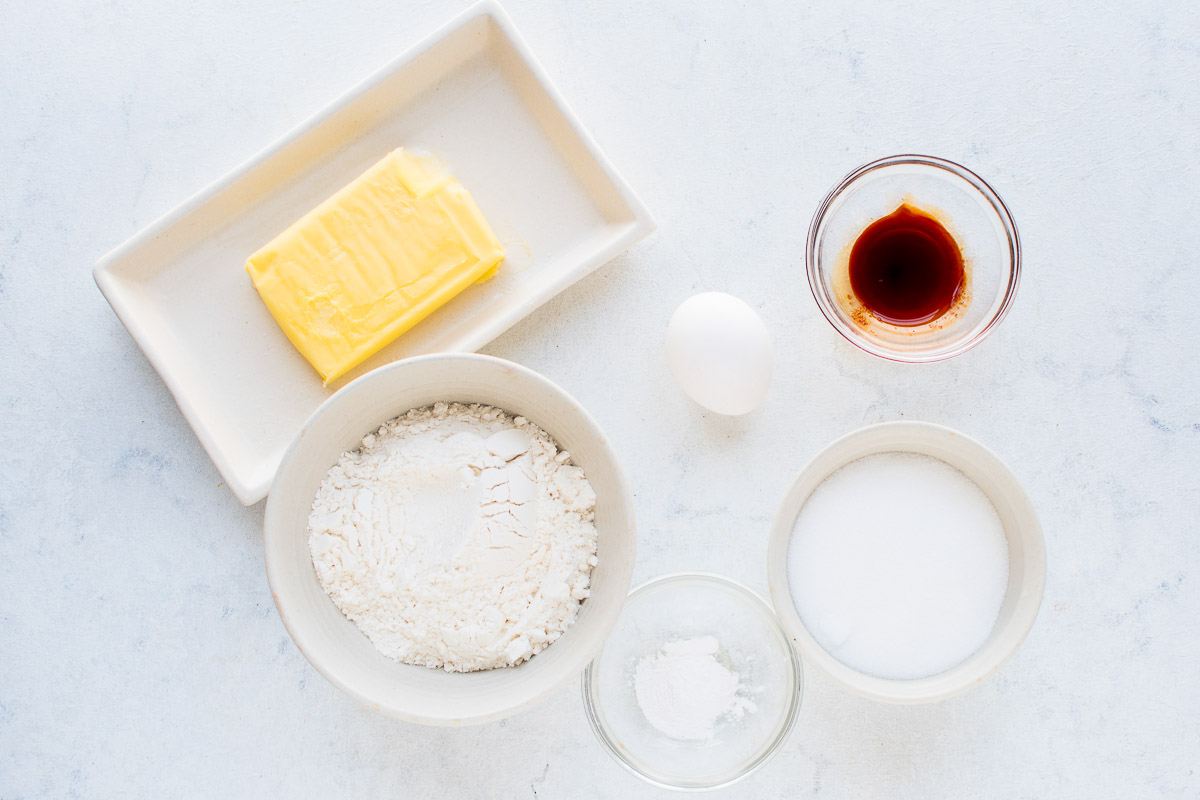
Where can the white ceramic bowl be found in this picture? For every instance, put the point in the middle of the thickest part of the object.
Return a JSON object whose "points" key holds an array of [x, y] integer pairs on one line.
{"points": [[1026, 556], [332, 643]]}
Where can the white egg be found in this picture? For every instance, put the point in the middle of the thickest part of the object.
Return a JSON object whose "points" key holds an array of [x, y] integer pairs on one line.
{"points": [[720, 353]]}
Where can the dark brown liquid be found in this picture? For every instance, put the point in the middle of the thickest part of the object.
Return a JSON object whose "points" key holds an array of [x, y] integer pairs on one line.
{"points": [[906, 268]]}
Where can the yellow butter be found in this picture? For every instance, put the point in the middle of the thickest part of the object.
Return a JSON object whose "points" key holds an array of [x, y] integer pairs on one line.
{"points": [[373, 260]]}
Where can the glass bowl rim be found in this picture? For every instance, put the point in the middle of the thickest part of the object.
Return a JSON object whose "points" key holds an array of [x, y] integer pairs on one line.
{"points": [[821, 293], [795, 669]]}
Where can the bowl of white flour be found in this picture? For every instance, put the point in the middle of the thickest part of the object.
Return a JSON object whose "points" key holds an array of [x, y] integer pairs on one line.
{"points": [[450, 539]]}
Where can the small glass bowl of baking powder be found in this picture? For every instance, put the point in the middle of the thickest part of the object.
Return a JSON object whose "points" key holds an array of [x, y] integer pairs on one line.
{"points": [[697, 687]]}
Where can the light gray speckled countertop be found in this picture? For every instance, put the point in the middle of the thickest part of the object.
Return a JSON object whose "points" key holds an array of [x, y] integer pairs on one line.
{"points": [[140, 652]]}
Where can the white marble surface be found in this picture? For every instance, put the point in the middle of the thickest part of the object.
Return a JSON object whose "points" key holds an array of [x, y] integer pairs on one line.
{"points": [[140, 652]]}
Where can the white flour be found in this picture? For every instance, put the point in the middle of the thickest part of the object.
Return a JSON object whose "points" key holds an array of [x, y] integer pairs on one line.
{"points": [[684, 691], [457, 537]]}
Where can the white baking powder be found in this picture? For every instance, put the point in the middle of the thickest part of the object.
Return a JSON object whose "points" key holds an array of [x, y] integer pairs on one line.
{"points": [[898, 565], [684, 691], [456, 536]]}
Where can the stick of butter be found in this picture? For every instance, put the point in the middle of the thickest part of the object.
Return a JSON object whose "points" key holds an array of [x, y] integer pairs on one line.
{"points": [[373, 260]]}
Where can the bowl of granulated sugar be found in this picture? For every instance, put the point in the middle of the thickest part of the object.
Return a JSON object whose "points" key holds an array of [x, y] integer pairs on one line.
{"points": [[906, 562]]}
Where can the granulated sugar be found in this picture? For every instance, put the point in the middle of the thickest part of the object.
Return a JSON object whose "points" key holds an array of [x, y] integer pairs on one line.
{"points": [[898, 565]]}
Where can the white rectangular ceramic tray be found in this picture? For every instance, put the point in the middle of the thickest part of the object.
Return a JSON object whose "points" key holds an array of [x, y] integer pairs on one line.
{"points": [[473, 94]]}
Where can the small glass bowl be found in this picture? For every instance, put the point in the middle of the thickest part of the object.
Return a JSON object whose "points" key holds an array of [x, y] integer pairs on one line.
{"points": [[969, 209], [752, 643]]}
